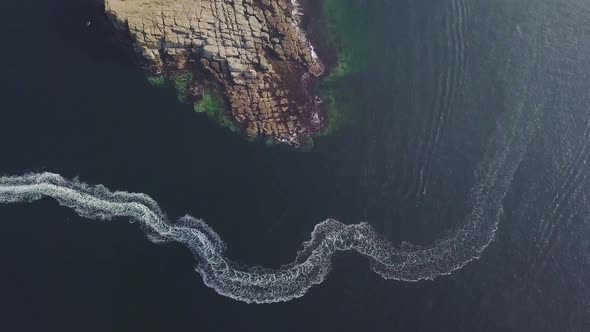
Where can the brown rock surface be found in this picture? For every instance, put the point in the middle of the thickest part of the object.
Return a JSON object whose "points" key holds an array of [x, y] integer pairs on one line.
{"points": [[253, 49]]}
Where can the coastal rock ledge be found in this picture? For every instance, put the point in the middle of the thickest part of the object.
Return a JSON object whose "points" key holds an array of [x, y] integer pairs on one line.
{"points": [[254, 51]]}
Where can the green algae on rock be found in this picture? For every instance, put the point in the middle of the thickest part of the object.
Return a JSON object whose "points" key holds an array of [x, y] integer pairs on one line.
{"points": [[341, 32], [213, 105]]}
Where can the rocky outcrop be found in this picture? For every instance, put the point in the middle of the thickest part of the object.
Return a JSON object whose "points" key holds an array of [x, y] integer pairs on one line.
{"points": [[254, 50]]}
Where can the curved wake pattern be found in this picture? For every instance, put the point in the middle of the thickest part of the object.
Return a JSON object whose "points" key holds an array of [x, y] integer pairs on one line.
{"points": [[312, 264]]}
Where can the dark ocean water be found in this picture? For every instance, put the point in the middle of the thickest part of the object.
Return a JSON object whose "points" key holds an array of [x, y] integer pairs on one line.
{"points": [[444, 85]]}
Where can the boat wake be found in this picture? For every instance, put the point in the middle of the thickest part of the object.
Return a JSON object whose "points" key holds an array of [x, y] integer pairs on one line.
{"points": [[406, 262]]}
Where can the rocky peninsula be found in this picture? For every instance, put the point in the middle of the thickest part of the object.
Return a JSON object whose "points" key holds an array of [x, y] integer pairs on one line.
{"points": [[254, 52]]}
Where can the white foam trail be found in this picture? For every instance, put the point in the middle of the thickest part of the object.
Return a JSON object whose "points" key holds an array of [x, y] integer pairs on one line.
{"points": [[259, 285]]}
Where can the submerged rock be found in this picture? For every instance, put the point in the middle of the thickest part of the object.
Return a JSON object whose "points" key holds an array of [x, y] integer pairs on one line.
{"points": [[253, 50]]}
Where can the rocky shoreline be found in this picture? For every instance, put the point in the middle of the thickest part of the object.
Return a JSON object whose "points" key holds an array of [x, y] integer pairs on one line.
{"points": [[255, 52]]}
